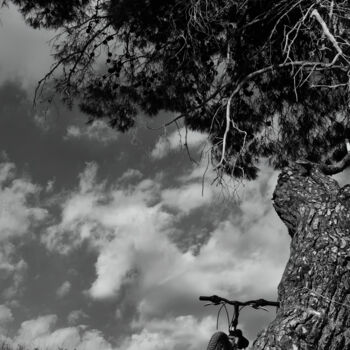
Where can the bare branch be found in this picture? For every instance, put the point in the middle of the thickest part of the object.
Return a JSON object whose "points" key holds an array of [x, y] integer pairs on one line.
{"points": [[314, 65], [335, 86], [186, 147], [174, 120], [326, 31], [228, 123]]}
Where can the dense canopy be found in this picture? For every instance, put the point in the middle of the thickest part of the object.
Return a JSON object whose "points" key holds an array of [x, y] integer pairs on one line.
{"points": [[262, 78]]}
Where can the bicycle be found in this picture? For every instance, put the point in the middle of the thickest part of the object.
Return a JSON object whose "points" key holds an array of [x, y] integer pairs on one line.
{"points": [[234, 339]]}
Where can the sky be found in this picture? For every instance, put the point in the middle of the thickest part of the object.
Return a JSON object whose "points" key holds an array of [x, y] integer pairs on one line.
{"points": [[107, 239]]}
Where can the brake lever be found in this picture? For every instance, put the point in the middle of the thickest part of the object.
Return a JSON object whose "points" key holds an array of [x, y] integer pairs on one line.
{"points": [[215, 304], [208, 304]]}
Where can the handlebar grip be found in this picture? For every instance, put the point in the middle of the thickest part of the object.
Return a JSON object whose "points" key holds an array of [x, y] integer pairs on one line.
{"points": [[213, 299]]}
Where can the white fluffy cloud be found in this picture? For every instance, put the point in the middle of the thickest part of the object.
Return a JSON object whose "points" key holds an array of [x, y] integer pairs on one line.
{"points": [[6, 317], [76, 316], [129, 226], [130, 230], [17, 215], [180, 333], [187, 197], [177, 140], [33, 329], [63, 289], [131, 174], [98, 131], [12, 271], [43, 334]]}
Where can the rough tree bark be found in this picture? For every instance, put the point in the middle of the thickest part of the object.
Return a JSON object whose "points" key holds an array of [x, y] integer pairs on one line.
{"points": [[314, 292]]}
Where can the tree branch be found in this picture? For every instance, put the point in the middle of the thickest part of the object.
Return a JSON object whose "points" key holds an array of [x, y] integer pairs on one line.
{"points": [[326, 31], [227, 129], [239, 86]]}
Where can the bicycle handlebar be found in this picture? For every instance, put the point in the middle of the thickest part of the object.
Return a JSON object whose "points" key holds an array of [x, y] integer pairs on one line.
{"points": [[254, 303]]}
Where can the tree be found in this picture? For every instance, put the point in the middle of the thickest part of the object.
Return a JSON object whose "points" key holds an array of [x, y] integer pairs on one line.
{"points": [[264, 79]]}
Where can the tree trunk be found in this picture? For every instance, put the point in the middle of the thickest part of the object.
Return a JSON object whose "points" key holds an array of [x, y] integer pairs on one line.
{"points": [[314, 292]]}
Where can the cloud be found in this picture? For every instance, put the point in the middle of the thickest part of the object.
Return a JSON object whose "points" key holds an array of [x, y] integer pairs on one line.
{"points": [[64, 289], [130, 229], [98, 131], [43, 120], [105, 218], [17, 215], [177, 140], [131, 174], [187, 197], [180, 333], [6, 317], [36, 328], [43, 334], [76, 316], [12, 272], [50, 185]]}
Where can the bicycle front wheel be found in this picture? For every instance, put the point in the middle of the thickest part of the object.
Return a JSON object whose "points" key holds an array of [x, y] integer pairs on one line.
{"points": [[219, 341]]}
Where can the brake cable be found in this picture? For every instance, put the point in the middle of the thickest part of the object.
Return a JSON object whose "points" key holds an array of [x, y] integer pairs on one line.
{"points": [[218, 316]]}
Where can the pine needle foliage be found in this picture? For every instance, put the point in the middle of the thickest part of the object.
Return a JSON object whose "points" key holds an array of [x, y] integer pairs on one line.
{"points": [[263, 78]]}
